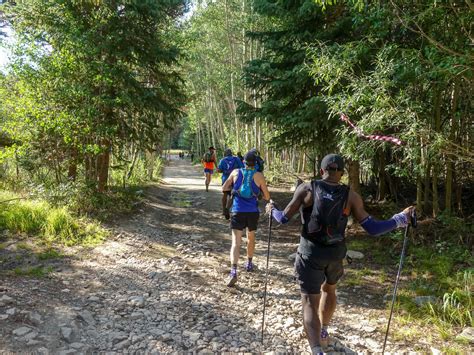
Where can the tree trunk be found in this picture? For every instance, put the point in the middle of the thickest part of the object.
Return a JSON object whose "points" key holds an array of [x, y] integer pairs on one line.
{"points": [[448, 198], [103, 167], [437, 127], [354, 174], [427, 190], [132, 166]]}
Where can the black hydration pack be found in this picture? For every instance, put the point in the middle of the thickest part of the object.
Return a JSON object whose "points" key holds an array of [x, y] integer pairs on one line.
{"points": [[328, 222]]}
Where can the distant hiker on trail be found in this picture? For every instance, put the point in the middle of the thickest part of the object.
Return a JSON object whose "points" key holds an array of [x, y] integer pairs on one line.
{"points": [[209, 160], [226, 166], [245, 184], [318, 266], [192, 157]]}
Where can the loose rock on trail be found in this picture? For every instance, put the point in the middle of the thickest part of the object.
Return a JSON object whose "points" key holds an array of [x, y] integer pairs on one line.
{"points": [[158, 285]]}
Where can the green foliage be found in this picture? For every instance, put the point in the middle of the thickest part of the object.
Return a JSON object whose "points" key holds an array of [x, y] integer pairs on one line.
{"points": [[457, 305], [34, 271], [49, 254], [48, 223], [88, 79]]}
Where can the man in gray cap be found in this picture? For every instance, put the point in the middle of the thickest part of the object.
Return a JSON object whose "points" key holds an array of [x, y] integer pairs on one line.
{"points": [[326, 205]]}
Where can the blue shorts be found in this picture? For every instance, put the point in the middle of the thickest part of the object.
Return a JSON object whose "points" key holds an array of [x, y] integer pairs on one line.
{"points": [[210, 171]]}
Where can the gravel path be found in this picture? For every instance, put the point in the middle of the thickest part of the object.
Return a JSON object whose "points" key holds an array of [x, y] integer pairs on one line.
{"points": [[158, 286]]}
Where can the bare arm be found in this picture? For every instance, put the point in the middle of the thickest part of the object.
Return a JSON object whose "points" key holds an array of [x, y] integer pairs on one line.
{"points": [[301, 197], [356, 206], [262, 184], [229, 182]]}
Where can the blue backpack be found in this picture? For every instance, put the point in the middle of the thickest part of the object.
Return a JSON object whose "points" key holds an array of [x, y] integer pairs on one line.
{"points": [[229, 164], [245, 189]]}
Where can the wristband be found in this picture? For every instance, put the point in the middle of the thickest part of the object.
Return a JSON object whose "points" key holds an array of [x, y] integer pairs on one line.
{"points": [[401, 219], [279, 216]]}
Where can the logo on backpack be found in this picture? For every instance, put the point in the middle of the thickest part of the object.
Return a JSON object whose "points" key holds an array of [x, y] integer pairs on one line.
{"points": [[245, 190], [229, 164], [327, 223]]}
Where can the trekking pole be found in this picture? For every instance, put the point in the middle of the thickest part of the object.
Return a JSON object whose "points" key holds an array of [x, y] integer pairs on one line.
{"points": [[266, 271], [402, 256]]}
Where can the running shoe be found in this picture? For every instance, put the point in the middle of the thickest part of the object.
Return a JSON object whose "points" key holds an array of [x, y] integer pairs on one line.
{"points": [[226, 213], [317, 350], [249, 266], [232, 279]]}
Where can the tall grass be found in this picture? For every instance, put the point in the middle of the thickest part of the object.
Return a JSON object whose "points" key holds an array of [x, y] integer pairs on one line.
{"points": [[52, 224], [457, 305]]}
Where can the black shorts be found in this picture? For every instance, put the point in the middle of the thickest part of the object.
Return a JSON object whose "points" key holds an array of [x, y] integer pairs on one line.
{"points": [[242, 220], [311, 273]]}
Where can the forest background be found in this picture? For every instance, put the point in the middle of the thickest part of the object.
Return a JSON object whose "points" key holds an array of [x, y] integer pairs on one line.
{"points": [[95, 92]]}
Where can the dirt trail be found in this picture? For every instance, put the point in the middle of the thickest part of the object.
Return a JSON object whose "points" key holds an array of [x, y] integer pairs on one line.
{"points": [[158, 285]]}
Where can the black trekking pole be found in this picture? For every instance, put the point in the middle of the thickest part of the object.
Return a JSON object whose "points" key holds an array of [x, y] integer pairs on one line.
{"points": [[402, 256], [270, 218]]}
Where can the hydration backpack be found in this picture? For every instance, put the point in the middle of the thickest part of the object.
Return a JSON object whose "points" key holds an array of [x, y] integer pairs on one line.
{"points": [[229, 164], [207, 157], [245, 190], [327, 223]]}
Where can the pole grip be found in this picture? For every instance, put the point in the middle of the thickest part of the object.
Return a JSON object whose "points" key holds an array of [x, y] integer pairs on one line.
{"points": [[413, 218]]}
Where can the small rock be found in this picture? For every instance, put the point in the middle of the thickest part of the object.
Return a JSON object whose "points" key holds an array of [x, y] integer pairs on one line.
{"points": [[67, 334], [289, 322], [87, 317], [6, 299], [19, 332], [221, 329], [136, 315], [355, 254], [76, 345], [3, 316], [369, 329], [31, 336], [209, 333], [33, 342], [35, 318], [138, 301], [192, 336], [94, 299], [122, 344], [467, 334], [11, 311], [373, 344]]}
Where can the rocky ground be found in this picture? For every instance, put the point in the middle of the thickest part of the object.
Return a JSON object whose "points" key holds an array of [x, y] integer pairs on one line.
{"points": [[158, 285]]}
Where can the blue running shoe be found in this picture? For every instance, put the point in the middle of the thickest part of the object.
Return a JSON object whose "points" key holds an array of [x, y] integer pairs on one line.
{"points": [[232, 278], [249, 266]]}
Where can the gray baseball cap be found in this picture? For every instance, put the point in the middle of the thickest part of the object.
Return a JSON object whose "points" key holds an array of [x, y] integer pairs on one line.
{"points": [[332, 162]]}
